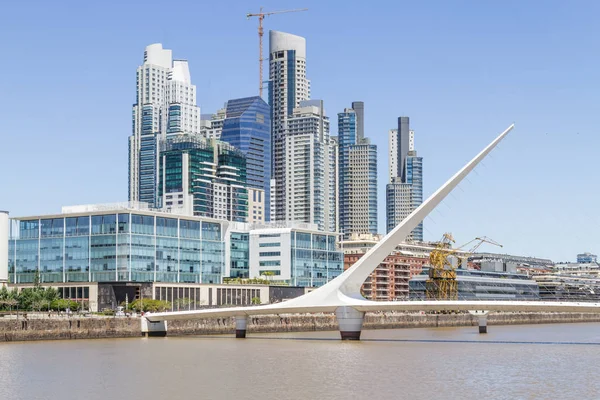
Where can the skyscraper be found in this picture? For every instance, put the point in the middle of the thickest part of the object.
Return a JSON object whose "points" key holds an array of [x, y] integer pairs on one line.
{"points": [[310, 178], [288, 86], [404, 193], [203, 177], [357, 174], [247, 127], [165, 105]]}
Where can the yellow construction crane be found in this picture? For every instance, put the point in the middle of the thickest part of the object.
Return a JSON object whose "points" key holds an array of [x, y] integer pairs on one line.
{"points": [[442, 283], [261, 15]]}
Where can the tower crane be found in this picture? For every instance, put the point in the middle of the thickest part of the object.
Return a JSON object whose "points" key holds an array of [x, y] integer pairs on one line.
{"points": [[261, 16], [442, 283]]}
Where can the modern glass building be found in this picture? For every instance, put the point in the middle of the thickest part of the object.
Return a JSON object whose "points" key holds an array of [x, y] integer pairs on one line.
{"points": [[203, 177], [165, 104], [239, 254], [129, 245], [300, 256], [482, 285], [247, 127], [357, 174]]}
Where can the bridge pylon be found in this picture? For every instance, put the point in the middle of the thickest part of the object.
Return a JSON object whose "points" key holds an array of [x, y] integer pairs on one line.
{"points": [[350, 322], [241, 325], [482, 317]]}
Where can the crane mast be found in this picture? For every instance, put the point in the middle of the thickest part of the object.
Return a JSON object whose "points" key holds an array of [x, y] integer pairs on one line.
{"points": [[442, 283], [261, 16]]}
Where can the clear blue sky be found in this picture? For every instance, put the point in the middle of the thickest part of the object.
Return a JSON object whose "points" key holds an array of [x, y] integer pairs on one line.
{"points": [[462, 70]]}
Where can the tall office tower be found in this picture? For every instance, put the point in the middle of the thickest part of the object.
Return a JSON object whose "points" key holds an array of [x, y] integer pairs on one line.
{"points": [[393, 149], [404, 193], [310, 181], [165, 105], [357, 174], [248, 128], [288, 87], [203, 177]]}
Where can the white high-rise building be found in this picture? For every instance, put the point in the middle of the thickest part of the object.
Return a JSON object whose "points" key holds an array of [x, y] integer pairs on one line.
{"points": [[211, 125], [310, 172], [287, 88], [165, 105], [404, 192]]}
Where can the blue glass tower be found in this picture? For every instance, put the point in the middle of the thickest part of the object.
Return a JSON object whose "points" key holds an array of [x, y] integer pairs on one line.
{"points": [[247, 127], [414, 178]]}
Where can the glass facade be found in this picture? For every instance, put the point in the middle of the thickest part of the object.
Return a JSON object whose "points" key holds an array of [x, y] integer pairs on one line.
{"points": [[216, 178], [315, 259], [248, 128], [148, 157], [414, 177], [109, 247], [482, 285], [240, 255]]}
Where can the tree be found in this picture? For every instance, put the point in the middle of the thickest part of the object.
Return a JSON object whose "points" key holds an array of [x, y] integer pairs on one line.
{"points": [[255, 300]]}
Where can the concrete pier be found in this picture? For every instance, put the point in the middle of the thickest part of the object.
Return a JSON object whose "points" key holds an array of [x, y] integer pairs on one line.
{"points": [[350, 322], [241, 325], [153, 329], [482, 317]]}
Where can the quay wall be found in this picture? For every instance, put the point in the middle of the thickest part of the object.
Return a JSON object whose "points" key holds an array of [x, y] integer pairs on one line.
{"points": [[31, 328]]}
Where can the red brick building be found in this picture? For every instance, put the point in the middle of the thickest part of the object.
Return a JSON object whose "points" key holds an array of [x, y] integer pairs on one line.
{"points": [[390, 279]]}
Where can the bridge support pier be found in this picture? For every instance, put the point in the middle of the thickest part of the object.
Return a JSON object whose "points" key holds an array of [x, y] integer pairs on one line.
{"points": [[482, 317], [153, 329], [241, 324], [350, 322]]}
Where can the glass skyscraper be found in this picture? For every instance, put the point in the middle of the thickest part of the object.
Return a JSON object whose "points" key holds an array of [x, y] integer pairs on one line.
{"points": [[165, 104], [357, 174], [247, 127]]}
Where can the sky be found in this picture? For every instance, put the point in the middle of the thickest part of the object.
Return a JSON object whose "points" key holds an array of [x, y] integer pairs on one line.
{"points": [[463, 71]]}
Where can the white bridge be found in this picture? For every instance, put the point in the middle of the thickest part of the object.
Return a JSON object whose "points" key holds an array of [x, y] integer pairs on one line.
{"points": [[342, 294]]}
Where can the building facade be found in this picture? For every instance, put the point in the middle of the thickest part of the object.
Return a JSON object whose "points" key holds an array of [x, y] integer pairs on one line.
{"points": [[247, 127], [299, 255], [389, 281], [404, 192], [165, 104], [357, 174], [288, 86], [203, 177], [310, 176], [211, 125], [482, 285], [117, 243], [4, 252], [587, 258]]}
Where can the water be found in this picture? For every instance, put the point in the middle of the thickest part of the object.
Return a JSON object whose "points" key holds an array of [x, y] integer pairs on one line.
{"points": [[558, 361]]}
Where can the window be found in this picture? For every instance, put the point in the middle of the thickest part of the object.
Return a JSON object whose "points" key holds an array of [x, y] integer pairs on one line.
{"points": [[270, 254], [270, 235], [274, 244], [275, 263]]}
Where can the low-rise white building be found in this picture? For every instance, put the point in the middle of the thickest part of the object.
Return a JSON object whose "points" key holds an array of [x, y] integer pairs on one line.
{"points": [[298, 254]]}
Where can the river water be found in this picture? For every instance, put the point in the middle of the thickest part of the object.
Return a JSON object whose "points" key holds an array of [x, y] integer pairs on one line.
{"points": [[557, 361]]}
